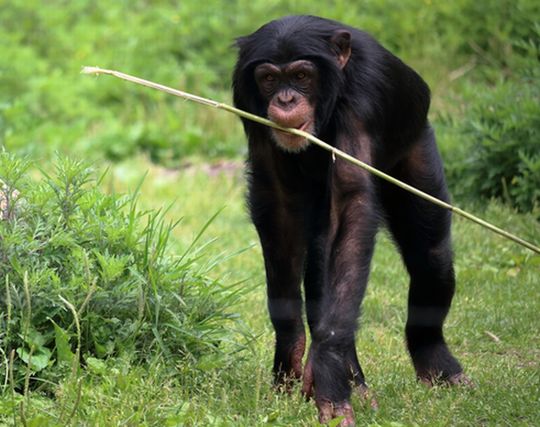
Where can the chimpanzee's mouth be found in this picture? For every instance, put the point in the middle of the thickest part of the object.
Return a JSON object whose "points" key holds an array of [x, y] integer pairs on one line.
{"points": [[303, 126], [291, 142]]}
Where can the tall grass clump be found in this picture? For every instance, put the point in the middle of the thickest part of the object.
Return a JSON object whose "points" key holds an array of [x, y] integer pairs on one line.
{"points": [[87, 273]]}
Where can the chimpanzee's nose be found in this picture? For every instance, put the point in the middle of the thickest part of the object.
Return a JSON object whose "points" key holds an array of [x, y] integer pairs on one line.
{"points": [[285, 98]]}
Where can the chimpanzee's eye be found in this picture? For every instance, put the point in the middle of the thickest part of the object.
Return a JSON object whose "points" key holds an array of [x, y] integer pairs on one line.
{"points": [[300, 75], [269, 78]]}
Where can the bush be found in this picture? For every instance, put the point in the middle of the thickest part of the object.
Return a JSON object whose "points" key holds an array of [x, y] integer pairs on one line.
{"points": [[500, 156], [86, 273]]}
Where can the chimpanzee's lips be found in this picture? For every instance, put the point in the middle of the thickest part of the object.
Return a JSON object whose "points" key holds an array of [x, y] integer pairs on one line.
{"points": [[303, 126]]}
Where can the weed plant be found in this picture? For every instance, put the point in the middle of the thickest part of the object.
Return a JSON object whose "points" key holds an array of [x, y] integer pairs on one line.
{"points": [[65, 244]]}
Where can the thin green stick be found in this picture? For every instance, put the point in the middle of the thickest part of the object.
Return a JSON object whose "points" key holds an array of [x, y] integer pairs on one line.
{"points": [[335, 152]]}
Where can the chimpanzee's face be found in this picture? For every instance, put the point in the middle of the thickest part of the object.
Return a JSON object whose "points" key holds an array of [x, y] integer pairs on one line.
{"points": [[289, 90]]}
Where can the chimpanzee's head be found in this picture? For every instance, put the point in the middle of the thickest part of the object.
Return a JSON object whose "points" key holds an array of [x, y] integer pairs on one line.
{"points": [[291, 72]]}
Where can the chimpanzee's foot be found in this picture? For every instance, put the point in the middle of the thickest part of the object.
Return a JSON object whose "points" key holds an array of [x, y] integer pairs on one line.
{"points": [[362, 390], [288, 367], [434, 363], [329, 410]]}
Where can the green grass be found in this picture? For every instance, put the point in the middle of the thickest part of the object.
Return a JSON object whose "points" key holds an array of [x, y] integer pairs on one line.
{"points": [[497, 290], [497, 295]]}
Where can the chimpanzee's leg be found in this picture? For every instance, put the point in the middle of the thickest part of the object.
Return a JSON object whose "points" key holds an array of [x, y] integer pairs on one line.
{"points": [[332, 362], [313, 283], [422, 232], [281, 232]]}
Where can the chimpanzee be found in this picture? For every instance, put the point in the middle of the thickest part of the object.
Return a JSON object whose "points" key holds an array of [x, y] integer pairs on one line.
{"points": [[317, 216]]}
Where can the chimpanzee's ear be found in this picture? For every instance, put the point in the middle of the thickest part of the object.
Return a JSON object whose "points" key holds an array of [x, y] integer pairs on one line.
{"points": [[341, 43]]}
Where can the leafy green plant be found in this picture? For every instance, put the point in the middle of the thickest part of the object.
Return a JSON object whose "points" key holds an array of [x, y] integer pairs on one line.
{"points": [[500, 155], [63, 244]]}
